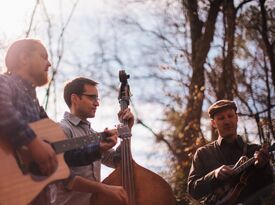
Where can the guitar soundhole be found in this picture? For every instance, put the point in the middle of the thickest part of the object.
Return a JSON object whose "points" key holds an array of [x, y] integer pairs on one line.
{"points": [[27, 165], [35, 172]]}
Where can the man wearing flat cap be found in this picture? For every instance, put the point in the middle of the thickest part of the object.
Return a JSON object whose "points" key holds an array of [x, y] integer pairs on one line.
{"points": [[211, 176]]}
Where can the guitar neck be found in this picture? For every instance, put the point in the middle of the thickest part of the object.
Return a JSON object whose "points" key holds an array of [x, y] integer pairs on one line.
{"points": [[245, 165], [74, 143]]}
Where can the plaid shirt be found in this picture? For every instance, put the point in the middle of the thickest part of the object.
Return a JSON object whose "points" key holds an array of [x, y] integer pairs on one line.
{"points": [[19, 106]]}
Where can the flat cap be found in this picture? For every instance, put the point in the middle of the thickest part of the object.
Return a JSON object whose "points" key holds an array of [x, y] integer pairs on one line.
{"points": [[220, 106]]}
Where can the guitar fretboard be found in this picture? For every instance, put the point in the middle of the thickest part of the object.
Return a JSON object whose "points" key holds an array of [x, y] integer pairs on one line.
{"points": [[73, 143]]}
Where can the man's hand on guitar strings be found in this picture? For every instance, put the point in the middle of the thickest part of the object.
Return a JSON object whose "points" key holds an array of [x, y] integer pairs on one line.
{"points": [[110, 141], [43, 155], [262, 156], [223, 172]]}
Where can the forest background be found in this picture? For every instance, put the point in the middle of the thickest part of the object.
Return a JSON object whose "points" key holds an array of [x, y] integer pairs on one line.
{"points": [[181, 56]]}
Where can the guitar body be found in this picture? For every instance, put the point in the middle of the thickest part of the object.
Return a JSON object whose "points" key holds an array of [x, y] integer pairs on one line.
{"points": [[17, 188], [235, 189], [229, 197], [224, 195]]}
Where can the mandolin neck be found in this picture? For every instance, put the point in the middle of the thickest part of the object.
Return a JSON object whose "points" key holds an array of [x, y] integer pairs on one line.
{"points": [[243, 166], [250, 162]]}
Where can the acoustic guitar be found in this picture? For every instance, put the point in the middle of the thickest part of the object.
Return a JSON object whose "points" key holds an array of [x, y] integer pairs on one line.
{"points": [[232, 188], [20, 178]]}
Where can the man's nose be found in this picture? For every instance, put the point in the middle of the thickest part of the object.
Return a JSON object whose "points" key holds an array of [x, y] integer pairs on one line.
{"points": [[49, 64], [96, 102], [226, 120]]}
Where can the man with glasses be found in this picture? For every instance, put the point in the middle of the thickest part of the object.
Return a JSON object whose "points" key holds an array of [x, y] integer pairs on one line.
{"points": [[81, 96]]}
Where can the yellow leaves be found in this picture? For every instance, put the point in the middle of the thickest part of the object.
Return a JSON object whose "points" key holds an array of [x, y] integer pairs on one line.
{"points": [[178, 167], [180, 135], [164, 67]]}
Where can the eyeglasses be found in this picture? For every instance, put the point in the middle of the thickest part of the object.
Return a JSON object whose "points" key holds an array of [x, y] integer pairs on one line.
{"points": [[92, 97]]}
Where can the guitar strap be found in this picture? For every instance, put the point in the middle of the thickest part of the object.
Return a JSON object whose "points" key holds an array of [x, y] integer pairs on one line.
{"points": [[244, 148], [223, 158]]}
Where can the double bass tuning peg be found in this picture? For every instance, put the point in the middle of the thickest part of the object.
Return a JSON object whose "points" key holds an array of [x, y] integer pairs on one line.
{"points": [[123, 76]]}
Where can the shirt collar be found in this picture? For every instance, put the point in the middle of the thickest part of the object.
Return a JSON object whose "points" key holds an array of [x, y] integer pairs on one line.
{"points": [[17, 78], [25, 85], [239, 140], [74, 119]]}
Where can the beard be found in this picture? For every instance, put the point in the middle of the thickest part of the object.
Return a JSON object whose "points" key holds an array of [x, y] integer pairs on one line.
{"points": [[39, 78], [43, 80]]}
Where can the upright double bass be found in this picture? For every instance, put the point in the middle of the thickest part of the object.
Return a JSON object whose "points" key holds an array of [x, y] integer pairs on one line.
{"points": [[143, 186]]}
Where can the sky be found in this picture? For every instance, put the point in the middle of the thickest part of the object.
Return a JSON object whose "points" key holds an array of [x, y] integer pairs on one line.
{"points": [[15, 17]]}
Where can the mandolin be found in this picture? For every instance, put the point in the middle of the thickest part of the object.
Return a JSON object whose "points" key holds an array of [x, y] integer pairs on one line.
{"points": [[231, 190]]}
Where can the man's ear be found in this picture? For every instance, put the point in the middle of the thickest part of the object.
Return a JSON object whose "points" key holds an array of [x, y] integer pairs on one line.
{"points": [[213, 123], [23, 59], [74, 98]]}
